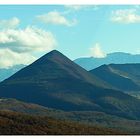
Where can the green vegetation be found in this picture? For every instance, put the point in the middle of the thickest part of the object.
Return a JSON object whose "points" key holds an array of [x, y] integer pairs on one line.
{"points": [[87, 118], [22, 124]]}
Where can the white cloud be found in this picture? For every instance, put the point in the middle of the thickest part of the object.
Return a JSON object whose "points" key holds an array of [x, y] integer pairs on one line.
{"points": [[10, 23], [9, 58], [26, 40], [82, 7], [56, 18], [125, 16], [97, 52], [74, 7], [17, 46]]}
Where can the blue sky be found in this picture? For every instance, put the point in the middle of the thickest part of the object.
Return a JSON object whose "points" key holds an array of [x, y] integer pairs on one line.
{"points": [[28, 31]]}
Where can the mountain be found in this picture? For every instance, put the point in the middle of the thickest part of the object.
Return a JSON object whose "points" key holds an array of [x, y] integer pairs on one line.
{"points": [[90, 63], [6, 73], [55, 81], [125, 77]]}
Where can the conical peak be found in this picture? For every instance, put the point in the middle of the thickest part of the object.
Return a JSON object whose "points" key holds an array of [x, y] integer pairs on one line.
{"points": [[54, 56], [54, 53]]}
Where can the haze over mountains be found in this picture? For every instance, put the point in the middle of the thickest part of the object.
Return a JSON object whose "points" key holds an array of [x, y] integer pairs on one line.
{"points": [[87, 63], [90, 63]]}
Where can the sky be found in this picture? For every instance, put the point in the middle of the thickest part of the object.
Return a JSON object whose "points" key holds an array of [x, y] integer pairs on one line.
{"points": [[29, 31]]}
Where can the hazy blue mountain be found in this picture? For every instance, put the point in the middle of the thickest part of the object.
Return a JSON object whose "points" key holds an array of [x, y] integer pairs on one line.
{"points": [[6, 73], [90, 63], [55, 81]]}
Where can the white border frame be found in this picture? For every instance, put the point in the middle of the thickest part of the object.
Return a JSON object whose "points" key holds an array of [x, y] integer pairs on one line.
{"points": [[70, 2]]}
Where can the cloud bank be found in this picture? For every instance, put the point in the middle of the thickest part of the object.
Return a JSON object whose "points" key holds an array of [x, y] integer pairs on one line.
{"points": [[18, 46], [9, 58], [26, 40]]}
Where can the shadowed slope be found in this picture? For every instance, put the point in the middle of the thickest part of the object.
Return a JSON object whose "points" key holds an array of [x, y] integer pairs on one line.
{"points": [[120, 76]]}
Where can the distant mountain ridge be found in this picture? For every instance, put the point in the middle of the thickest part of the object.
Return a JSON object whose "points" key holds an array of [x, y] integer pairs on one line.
{"points": [[55, 81], [6, 73], [90, 63]]}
